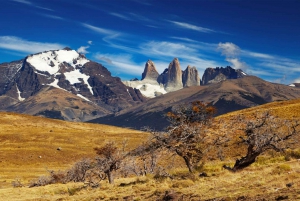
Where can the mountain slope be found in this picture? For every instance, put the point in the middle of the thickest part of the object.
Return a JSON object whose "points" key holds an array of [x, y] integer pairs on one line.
{"points": [[227, 96]]}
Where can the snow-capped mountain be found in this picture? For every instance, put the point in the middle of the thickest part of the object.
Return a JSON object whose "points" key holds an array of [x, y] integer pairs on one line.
{"points": [[73, 76]]}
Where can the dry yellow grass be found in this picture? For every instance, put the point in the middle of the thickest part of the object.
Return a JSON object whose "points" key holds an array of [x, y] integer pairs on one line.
{"points": [[28, 145], [284, 109], [267, 181]]}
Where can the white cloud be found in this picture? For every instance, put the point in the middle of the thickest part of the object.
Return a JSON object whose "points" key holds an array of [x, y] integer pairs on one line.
{"points": [[21, 45], [192, 27], [237, 64], [98, 29], [257, 55], [31, 4], [90, 42], [120, 16], [163, 48], [53, 17], [232, 52], [140, 17], [121, 63], [229, 49], [23, 1], [83, 49], [183, 39]]}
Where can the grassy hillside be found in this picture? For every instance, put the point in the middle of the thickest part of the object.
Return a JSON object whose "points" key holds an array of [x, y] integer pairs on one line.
{"points": [[28, 148], [283, 109], [29, 145]]}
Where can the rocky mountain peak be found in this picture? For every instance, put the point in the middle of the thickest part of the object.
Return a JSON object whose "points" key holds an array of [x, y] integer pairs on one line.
{"points": [[174, 79], [67, 48], [190, 77], [218, 74], [150, 71]]}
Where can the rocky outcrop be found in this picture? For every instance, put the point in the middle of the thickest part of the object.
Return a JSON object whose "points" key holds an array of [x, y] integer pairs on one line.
{"points": [[214, 75], [174, 80], [150, 71], [190, 77]]}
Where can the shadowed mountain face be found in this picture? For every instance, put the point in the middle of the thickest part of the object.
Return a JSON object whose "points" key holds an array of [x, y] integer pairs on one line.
{"points": [[63, 83], [227, 96], [215, 75]]}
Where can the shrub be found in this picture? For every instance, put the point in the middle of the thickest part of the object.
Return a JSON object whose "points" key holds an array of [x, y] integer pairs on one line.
{"points": [[17, 183]]}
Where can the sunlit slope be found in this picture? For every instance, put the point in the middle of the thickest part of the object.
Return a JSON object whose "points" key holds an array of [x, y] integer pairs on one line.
{"points": [[29, 145], [284, 109]]}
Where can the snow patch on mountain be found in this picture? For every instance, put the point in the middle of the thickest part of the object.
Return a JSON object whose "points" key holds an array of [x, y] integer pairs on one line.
{"points": [[148, 88], [55, 84], [50, 61], [74, 76], [19, 94], [81, 96]]}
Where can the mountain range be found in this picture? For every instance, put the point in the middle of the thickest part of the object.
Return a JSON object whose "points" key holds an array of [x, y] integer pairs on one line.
{"points": [[64, 84]]}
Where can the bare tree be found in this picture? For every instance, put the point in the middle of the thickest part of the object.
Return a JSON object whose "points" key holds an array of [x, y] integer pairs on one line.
{"points": [[187, 135], [264, 132], [79, 170], [109, 159]]}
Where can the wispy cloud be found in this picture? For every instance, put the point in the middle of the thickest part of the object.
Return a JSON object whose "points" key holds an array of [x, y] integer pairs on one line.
{"points": [[140, 17], [53, 17], [83, 49], [183, 39], [257, 55], [121, 16], [90, 42], [31, 4], [192, 27], [121, 63], [21, 45], [272, 67], [23, 1], [99, 30]]}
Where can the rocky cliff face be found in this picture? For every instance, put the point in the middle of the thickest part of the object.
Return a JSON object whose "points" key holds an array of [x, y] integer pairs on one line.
{"points": [[174, 80], [68, 71], [190, 77], [150, 71], [215, 75]]}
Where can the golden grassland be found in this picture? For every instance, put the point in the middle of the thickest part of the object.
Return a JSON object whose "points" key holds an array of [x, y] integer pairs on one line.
{"points": [[28, 148], [28, 145], [283, 109]]}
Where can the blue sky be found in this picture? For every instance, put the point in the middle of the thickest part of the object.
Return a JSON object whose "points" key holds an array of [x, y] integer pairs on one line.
{"points": [[262, 37]]}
